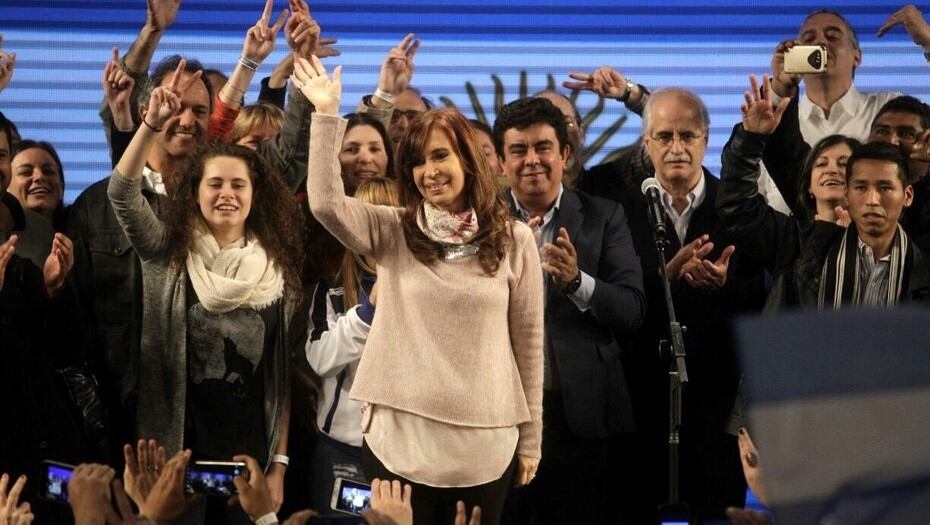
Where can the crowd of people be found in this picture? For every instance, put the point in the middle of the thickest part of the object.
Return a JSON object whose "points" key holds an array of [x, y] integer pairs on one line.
{"points": [[463, 315]]}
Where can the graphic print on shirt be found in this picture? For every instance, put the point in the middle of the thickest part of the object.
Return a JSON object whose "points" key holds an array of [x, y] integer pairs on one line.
{"points": [[225, 347]]}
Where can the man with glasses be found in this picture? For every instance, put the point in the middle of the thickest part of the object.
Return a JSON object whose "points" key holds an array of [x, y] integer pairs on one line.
{"points": [[710, 283]]}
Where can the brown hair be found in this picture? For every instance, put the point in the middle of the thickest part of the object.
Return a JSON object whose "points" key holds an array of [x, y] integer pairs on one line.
{"points": [[373, 191], [273, 219], [480, 188], [254, 116]]}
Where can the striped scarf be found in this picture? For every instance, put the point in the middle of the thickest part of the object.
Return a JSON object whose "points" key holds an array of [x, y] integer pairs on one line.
{"points": [[840, 285]]}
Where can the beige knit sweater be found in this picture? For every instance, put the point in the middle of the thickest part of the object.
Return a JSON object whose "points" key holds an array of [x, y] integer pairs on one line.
{"points": [[448, 342]]}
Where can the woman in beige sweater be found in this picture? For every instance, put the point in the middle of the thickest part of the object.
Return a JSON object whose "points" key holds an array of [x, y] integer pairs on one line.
{"points": [[451, 377]]}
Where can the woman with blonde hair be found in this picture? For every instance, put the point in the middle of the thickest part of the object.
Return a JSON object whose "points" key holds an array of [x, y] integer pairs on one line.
{"points": [[256, 123], [451, 377], [340, 317]]}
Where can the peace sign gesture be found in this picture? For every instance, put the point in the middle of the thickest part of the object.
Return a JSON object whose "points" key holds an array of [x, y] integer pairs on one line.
{"points": [[759, 116], [324, 93], [397, 70], [260, 38], [165, 100]]}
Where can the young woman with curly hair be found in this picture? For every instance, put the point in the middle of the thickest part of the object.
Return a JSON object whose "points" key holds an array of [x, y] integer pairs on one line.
{"points": [[451, 377], [217, 273]]}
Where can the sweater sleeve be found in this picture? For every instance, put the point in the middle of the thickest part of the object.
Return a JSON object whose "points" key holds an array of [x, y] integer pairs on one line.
{"points": [[362, 228], [222, 120], [145, 232], [525, 318]]}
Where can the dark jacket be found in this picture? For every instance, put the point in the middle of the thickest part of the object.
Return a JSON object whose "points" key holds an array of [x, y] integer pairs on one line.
{"points": [[585, 346], [771, 238]]}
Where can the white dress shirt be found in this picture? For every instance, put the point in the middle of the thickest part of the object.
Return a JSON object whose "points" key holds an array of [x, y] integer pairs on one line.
{"points": [[681, 220]]}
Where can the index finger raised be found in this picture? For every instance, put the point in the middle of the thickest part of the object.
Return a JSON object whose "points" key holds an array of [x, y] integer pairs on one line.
{"points": [[176, 76], [266, 13]]}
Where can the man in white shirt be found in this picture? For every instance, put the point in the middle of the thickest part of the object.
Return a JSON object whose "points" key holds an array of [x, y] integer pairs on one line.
{"points": [[831, 103]]}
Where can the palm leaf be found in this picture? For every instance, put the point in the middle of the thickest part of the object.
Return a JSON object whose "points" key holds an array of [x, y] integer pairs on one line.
{"points": [[598, 143], [592, 115], [475, 103], [524, 87], [499, 95], [550, 82], [448, 102]]}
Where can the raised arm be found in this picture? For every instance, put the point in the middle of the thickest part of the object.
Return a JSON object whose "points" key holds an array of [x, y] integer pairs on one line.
{"points": [[159, 15], [146, 233], [7, 66], [360, 227], [607, 82], [756, 226], [394, 79]]}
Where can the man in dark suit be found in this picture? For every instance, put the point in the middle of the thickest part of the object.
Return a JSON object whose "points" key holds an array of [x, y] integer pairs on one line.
{"points": [[710, 283], [593, 291]]}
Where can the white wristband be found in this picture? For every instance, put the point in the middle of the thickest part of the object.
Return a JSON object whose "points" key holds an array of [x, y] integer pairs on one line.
{"points": [[281, 458], [267, 519], [383, 95]]}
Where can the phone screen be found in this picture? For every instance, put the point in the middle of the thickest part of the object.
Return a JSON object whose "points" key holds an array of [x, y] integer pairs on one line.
{"points": [[213, 478], [55, 483], [351, 496]]}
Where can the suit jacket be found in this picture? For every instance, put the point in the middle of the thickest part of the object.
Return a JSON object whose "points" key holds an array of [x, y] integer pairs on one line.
{"points": [[586, 351], [711, 358]]}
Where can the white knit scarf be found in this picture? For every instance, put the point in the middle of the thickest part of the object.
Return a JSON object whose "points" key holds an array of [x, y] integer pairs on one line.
{"points": [[238, 275]]}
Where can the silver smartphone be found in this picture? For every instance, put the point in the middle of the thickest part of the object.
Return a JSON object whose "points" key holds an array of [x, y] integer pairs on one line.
{"points": [[350, 496], [806, 60]]}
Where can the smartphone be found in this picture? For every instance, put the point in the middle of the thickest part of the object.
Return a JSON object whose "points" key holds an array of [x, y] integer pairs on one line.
{"points": [[350, 496], [55, 478], [214, 478], [806, 60]]}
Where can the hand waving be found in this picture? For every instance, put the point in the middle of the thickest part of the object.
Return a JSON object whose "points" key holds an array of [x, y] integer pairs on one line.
{"points": [[758, 114], [397, 70], [324, 93], [913, 21], [117, 88], [160, 14], [142, 469], [605, 81], [260, 38], [7, 65]]}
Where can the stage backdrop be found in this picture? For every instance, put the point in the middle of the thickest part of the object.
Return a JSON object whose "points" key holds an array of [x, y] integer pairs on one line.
{"points": [[710, 47]]}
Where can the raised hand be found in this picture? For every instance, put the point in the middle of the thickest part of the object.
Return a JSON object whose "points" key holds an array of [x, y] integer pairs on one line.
{"points": [[58, 264], [12, 512], [166, 501], [166, 100], [462, 519], [838, 216], [7, 65], [260, 38], [784, 84], [526, 470], [6, 253], [758, 114], [397, 70], [89, 493], [311, 79], [142, 469], [913, 21], [605, 81], [160, 14], [117, 88], [390, 503]]}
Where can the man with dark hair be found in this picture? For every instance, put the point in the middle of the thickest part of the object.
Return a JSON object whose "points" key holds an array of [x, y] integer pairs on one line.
{"points": [[107, 271], [901, 121], [872, 262], [593, 294]]}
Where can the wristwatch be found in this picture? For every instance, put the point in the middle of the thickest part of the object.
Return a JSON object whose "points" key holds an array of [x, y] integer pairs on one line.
{"points": [[629, 91], [573, 285]]}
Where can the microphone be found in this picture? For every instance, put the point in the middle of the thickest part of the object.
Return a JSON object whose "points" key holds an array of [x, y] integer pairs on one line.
{"points": [[650, 188]]}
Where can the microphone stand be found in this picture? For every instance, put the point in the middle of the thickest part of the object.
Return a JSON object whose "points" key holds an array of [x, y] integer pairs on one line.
{"points": [[672, 349]]}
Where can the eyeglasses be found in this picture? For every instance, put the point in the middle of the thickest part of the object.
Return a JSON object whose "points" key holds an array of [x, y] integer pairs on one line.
{"points": [[686, 139], [409, 115]]}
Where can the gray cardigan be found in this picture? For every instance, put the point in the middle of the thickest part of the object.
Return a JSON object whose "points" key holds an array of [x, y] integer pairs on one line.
{"points": [[162, 390]]}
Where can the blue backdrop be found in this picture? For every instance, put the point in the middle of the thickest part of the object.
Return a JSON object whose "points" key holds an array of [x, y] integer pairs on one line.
{"points": [[710, 47]]}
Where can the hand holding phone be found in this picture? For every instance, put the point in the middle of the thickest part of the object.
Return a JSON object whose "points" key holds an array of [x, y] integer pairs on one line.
{"points": [[254, 494], [214, 478], [350, 497], [55, 479], [806, 60]]}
